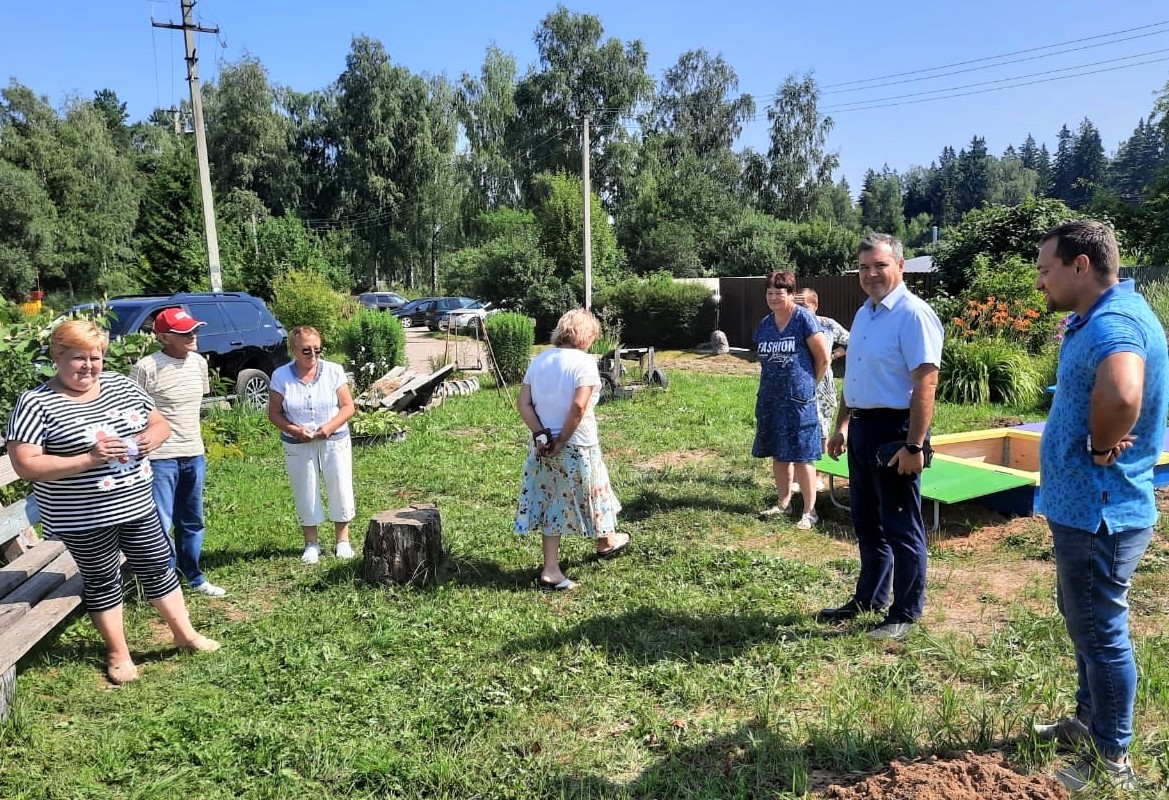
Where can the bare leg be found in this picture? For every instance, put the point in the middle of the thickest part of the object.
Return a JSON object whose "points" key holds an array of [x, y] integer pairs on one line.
{"points": [[551, 571], [607, 543], [109, 625], [781, 471], [310, 534], [341, 529], [806, 476], [173, 610]]}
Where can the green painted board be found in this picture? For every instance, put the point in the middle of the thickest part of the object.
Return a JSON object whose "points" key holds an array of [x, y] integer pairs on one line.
{"points": [[946, 481]]}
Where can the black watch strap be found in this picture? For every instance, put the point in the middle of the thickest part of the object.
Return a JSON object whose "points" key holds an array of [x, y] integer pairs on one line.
{"points": [[914, 449]]}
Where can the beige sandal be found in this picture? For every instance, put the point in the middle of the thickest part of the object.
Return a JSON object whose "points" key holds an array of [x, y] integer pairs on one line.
{"points": [[200, 644], [122, 673]]}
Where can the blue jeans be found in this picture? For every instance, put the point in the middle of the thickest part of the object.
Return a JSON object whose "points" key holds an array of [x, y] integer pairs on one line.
{"points": [[886, 516], [1093, 572], [178, 494]]}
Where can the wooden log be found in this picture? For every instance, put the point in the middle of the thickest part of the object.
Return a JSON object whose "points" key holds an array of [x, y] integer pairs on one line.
{"points": [[404, 546]]}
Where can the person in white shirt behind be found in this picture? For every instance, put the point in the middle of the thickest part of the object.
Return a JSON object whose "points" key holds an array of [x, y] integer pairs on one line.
{"points": [[565, 486], [176, 378]]}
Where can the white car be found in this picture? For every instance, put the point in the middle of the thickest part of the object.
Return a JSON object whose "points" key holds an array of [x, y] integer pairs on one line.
{"points": [[470, 317]]}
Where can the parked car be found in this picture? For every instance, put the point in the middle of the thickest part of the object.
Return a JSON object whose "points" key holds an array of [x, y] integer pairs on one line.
{"points": [[382, 301], [414, 312], [241, 340], [426, 310], [470, 317], [443, 305]]}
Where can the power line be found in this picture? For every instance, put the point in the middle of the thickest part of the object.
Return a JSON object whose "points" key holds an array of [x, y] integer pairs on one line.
{"points": [[1001, 55], [995, 66], [1001, 88], [842, 106]]}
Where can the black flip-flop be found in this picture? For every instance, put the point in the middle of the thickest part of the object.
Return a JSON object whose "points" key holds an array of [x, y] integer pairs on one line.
{"points": [[550, 586], [616, 551]]}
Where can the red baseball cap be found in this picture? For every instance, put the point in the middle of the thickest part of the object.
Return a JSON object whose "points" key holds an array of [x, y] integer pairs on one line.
{"points": [[175, 320]]}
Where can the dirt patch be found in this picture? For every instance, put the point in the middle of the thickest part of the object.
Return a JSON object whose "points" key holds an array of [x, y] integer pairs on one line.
{"points": [[735, 363], [960, 776], [678, 458]]}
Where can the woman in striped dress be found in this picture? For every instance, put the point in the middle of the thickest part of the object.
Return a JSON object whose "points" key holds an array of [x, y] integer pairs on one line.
{"points": [[81, 438]]}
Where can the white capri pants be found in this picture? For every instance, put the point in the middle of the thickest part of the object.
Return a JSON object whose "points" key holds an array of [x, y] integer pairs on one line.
{"points": [[305, 462]]}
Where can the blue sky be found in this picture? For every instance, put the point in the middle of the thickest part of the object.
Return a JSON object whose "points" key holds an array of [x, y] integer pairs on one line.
{"points": [[64, 47]]}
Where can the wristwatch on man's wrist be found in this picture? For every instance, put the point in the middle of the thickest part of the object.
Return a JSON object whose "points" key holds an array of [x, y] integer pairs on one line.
{"points": [[1094, 451], [913, 449]]}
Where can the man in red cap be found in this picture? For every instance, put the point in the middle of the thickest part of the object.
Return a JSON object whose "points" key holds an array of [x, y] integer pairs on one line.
{"points": [[177, 379]]}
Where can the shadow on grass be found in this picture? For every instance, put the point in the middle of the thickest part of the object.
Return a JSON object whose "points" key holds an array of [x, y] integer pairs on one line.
{"points": [[650, 635], [650, 502], [749, 762]]}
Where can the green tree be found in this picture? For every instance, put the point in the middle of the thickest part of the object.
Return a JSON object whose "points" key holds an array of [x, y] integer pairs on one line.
{"points": [[798, 168], [27, 222], [248, 139], [995, 232], [578, 74], [559, 213], [881, 206], [169, 221], [486, 111], [1089, 165]]}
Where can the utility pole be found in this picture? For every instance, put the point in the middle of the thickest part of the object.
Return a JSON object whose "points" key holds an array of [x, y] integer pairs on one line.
{"points": [[189, 29], [588, 232]]}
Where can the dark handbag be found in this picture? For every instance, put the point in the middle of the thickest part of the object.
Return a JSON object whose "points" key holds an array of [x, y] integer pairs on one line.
{"points": [[886, 452]]}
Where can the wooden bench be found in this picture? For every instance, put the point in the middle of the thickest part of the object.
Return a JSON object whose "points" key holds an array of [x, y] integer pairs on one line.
{"points": [[39, 586]]}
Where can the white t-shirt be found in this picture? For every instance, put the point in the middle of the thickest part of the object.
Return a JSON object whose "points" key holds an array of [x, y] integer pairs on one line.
{"points": [[554, 376], [177, 386]]}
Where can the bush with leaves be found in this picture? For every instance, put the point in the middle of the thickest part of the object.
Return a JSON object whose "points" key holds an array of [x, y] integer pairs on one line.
{"points": [[24, 358], [373, 343], [304, 297], [996, 232], [511, 337], [1002, 301], [988, 370], [660, 312]]}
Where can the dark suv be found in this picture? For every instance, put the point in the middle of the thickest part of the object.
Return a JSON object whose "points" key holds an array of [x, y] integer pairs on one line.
{"points": [[242, 341]]}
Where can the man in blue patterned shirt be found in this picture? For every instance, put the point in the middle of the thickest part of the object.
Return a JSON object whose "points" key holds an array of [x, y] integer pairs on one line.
{"points": [[1103, 437]]}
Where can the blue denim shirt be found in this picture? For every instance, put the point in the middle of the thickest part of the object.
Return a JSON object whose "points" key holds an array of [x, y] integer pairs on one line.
{"points": [[1076, 492]]}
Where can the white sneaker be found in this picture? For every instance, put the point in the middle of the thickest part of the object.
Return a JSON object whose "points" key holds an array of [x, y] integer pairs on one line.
{"points": [[312, 553], [210, 589], [344, 550], [807, 521], [820, 485]]}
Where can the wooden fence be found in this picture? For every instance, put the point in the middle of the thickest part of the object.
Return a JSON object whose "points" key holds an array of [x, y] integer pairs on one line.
{"points": [[744, 302]]}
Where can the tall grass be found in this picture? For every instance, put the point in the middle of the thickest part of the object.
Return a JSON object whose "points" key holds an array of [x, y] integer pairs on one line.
{"points": [[690, 668]]}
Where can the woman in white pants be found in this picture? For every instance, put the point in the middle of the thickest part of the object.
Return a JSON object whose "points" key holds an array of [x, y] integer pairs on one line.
{"points": [[310, 402]]}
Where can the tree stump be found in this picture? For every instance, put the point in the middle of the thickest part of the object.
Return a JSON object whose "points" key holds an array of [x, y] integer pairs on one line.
{"points": [[403, 546]]}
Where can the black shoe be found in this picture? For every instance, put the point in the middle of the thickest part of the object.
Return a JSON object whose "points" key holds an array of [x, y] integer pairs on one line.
{"points": [[849, 610]]}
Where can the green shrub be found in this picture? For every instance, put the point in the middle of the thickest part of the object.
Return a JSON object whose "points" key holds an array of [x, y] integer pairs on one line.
{"points": [[1157, 296], [660, 312], [305, 298], [24, 360], [510, 338], [373, 343], [988, 370]]}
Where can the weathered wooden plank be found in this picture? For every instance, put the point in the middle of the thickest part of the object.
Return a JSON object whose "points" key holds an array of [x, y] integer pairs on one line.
{"points": [[37, 623], [7, 692], [19, 570], [16, 521], [7, 473], [19, 602]]}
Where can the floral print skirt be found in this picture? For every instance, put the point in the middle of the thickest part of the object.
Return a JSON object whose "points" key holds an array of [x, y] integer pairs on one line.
{"points": [[567, 494]]}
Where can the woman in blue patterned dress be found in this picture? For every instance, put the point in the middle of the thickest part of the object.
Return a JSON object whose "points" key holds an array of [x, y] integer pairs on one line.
{"points": [[793, 354]]}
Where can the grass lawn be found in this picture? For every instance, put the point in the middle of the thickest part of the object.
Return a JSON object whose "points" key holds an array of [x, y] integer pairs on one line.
{"points": [[690, 668]]}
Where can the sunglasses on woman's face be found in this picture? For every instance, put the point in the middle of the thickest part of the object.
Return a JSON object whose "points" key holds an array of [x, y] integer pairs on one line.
{"points": [[311, 351]]}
